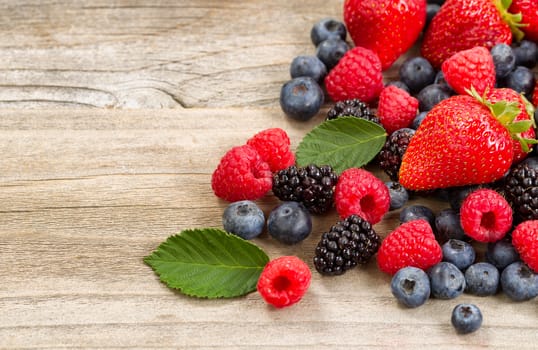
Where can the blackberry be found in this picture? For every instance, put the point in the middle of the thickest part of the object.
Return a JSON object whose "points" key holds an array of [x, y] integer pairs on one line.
{"points": [[521, 190], [311, 185], [390, 156], [353, 107], [348, 243]]}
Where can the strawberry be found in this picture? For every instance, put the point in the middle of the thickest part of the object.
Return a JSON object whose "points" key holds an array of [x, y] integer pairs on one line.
{"points": [[396, 109], [462, 24], [529, 16], [463, 140], [387, 27]]}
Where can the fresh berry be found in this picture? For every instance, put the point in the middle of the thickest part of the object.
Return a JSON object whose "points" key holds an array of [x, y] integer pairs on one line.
{"points": [[330, 51], [526, 53], [501, 254], [400, 84], [398, 195], [350, 242], [289, 222], [368, 24], [485, 215], [482, 279], [360, 192], [519, 282], [466, 318], [313, 186], [521, 189], [416, 72], [431, 95], [308, 66], [327, 28], [446, 280], [352, 108], [473, 67], [459, 253], [396, 108], [525, 240], [431, 11], [273, 146], [504, 60], [416, 212], [244, 219], [410, 286], [456, 195], [529, 16], [448, 225], [535, 98], [241, 174], [284, 281], [390, 156], [301, 98], [419, 118], [410, 244], [522, 80], [357, 75]]}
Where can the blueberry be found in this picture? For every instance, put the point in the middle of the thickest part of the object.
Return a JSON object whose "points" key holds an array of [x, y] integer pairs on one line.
{"points": [[431, 11], [438, 2], [400, 84], [289, 222], [301, 98], [398, 195], [482, 279], [418, 120], [519, 282], [327, 28], [456, 195], [330, 51], [466, 318], [446, 280], [416, 72], [522, 80], [501, 254], [504, 60], [526, 53], [414, 212], [459, 253], [410, 286], [448, 225], [243, 218], [432, 95], [308, 66]]}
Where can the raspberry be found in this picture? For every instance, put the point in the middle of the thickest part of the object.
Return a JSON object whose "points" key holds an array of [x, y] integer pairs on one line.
{"points": [[284, 281], [410, 244], [485, 215], [396, 108], [472, 67], [241, 174], [273, 145], [359, 192], [525, 240], [357, 75]]}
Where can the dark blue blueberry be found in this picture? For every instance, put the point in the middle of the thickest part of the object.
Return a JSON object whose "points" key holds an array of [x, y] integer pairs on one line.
{"points": [[398, 195], [459, 253], [418, 120], [522, 80], [440, 78], [400, 84], [519, 282], [448, 225], [482, 279], [416, 72], [501, 254], [243, 218], [504, 60], [327, 28], [410, 286], [526, 53], [446, 280], [414, 212], [432, 95], [456, 195], [466, 318], [301, 98], [289, 222], [308, 66], [431, 11], [330, 51]]}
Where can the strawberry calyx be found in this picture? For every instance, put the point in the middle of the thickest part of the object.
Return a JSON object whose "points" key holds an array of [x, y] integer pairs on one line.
{"points": [[512, 19]]}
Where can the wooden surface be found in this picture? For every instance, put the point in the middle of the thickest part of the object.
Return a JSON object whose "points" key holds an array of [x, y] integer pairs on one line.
{"points": [[114, 115]]}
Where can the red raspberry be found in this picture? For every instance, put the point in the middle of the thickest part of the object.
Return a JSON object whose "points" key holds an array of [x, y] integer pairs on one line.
{"points": [[241, 174], [396, 108], [360, 192], [284, 281], [535, 95], [273, 145], [485, 215], [357, 75], [472, 67], [410, 244], [525, 240]]}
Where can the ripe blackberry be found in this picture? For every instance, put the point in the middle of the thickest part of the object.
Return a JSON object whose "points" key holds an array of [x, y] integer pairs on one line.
{"points": [[521, 190], [353, 107], [390, 156], [311, 185], [349, 242]]}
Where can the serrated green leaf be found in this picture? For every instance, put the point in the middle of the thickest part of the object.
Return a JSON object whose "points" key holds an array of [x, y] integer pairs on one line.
{"points": [[343, 143], [208, 263]]}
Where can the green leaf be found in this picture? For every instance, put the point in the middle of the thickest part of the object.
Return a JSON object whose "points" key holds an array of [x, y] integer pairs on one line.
{"points": [[343, 143], [208, 263]]}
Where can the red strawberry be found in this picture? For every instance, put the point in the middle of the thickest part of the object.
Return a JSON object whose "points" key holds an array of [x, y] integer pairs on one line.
{"points": [[462, 24], [357, 75], [535, 95], [387, 27], [472, 67], [463, 140], [529, 16], [396, 108]]}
